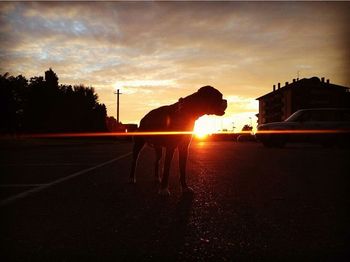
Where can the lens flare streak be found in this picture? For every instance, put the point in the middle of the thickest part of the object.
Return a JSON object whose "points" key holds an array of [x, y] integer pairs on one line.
{"points": [[171, 133], [323, 131]]}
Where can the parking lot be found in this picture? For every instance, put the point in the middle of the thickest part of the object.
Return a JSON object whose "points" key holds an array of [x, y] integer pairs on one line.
{"points": [[69, 199]]}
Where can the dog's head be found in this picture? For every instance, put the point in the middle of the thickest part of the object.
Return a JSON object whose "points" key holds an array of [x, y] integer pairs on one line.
{"points": [[207, 101], [212, 99]]}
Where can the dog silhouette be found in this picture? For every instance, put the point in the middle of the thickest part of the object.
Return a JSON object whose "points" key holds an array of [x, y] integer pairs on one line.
{"points": [[180, 116]]}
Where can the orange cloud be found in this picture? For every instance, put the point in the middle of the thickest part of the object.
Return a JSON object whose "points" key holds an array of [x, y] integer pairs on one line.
{"points": [[160, 51]]}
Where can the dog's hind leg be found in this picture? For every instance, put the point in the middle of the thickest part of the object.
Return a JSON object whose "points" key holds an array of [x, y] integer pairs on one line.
{"points": [[183, 154], [164, 190], [139, 142], [158, 151]]}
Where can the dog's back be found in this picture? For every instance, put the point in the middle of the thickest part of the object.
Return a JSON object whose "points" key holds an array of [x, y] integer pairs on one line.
{"points": [[164, 119], [157, 119]]}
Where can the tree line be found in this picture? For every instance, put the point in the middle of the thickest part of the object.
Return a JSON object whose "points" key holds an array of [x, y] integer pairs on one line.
{"points": [[42, 105]]}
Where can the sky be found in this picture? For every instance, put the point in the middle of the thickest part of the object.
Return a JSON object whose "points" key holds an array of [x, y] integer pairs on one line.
{"points": [[156, 52]]}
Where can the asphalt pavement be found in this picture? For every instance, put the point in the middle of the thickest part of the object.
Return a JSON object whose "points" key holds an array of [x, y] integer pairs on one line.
{"points": [[69, 200]]}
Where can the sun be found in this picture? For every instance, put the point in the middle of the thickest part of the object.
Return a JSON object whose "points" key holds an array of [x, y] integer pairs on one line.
{"points": [[201, 134], [203, 127]]}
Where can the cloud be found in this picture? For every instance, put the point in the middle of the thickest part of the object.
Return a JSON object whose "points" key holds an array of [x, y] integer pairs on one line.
{"points": [[170, 49]]}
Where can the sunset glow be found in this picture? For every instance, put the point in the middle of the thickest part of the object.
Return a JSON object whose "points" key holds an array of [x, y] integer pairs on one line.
{"points": [[204, 126], [199, 134], [156, 52]]}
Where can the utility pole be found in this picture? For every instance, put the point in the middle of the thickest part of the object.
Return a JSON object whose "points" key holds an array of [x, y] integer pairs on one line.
{"points": [[117, 93]]}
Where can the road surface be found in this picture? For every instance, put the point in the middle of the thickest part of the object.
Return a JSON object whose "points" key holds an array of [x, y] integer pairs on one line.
{"points": [[64, 200]]}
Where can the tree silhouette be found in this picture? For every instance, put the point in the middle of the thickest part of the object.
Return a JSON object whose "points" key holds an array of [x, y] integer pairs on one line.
{"points": [[42, 105], [11, 102], [51, 79], [247, 128]]}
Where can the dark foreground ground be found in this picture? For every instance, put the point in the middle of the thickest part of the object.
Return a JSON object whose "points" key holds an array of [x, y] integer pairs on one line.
{"points": [[250, 203]]}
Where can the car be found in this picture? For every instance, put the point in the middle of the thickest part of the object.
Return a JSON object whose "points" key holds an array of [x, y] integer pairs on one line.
{"points": [[325, 126]]}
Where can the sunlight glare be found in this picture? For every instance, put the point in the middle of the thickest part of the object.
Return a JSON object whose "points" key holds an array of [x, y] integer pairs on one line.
{"points": [[203, 127]]}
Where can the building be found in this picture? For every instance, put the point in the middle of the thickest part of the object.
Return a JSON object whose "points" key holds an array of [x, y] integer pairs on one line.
{"points": [[113, 126], [300, 94]]}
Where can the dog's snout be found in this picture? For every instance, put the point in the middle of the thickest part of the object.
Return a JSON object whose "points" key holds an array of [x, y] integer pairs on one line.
{"points": [[224, 103]]}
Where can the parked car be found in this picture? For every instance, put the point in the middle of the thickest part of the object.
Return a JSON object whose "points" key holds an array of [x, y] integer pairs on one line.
{"points": [[326, 126]]}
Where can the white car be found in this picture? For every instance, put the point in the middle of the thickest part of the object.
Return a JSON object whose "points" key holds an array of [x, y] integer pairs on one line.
{"points": [[326, 126]]}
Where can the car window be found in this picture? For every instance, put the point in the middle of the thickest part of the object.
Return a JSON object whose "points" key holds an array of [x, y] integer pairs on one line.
{"points": [[307, 116], [323, 115], [320, 116], [295, 117]]}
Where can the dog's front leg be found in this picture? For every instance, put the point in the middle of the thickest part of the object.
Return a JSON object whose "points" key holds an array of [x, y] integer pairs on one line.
{"points": [[183, 154], [164, 190], [138, 145], [158, 151]]}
